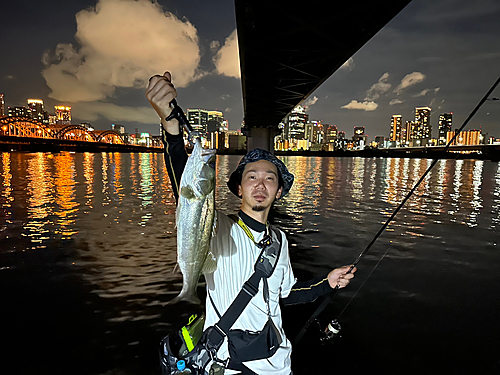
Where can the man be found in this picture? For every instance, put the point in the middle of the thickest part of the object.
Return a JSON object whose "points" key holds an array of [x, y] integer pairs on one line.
{"points": [[259, 180]]}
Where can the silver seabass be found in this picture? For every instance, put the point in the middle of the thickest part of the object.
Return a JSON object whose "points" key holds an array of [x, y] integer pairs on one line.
{"points": [[195, 220]]}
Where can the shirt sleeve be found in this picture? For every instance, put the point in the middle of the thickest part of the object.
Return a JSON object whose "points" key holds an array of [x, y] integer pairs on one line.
{"points": [[288, 276], [307, 291], [175, 158]]}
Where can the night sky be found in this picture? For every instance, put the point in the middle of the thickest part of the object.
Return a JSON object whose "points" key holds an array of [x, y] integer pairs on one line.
{"points": [[97, 58]]}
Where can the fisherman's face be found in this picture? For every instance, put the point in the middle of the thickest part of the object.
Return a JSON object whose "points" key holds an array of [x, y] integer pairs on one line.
{"points": [[259, 186]]}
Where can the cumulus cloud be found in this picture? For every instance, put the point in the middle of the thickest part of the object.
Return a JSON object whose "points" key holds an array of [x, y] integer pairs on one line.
{"points": [[409, 80], [365, 106], [311, 101], [122, 44], [396, 101], [348, 65], [227, 59], [379, 88]]}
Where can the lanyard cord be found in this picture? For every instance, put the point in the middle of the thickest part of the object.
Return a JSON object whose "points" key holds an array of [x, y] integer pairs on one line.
{"points": [[265, 241], [327, 299]]}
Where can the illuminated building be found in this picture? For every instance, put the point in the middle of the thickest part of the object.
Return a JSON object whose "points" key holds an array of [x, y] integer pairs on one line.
{"points": [[422, 129], [445, 123], [465, 138], [359, 138], [216, 115], [379, 141], [331, 133], [38, 113], [396, 134], [63, 115], [359, 130], [295, 123], [19, 112], [118, 128], [314, 132], [198, 118], [2, 105]]}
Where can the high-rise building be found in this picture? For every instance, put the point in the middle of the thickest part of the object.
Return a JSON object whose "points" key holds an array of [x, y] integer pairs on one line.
{"points": [[331, 133], [379, 140], [445, 123], [216, 115], [2, 105], [295, 123], [38, 113], [19, 112], [423, 128], [63, 114], [314, 132], [359, 130], [396, 134], [359, 138], [118, 128], [466, 137], [198, 118], [410, 128]]}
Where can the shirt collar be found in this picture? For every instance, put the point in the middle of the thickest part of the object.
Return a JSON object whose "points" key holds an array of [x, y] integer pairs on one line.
{"points": [[252, 223]]}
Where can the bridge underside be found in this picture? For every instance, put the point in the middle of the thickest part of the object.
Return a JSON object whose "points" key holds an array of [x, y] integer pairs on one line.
{"points": [[286, 52]]}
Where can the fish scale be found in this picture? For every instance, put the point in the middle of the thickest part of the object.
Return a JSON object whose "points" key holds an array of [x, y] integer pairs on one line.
{"points": [[195, 219]]}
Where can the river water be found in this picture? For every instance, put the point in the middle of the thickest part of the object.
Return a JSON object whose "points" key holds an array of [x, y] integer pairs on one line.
{"points": [[88, 250]]}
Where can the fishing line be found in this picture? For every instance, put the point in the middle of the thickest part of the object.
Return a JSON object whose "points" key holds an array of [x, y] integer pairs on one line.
{"points": [[327, 299]]}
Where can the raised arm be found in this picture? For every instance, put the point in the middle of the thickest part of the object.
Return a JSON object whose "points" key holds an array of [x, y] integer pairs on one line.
{"points": [[160, 93]]}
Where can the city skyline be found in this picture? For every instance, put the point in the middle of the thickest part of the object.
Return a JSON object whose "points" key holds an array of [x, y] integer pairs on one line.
{"points": [[443, 55]]}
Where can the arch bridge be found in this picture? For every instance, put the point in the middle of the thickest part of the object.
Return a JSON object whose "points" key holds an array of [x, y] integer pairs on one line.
{"points": [[24, 127]]}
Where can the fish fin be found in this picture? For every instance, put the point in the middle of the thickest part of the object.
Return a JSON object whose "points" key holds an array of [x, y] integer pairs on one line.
{"points": [[187, 192], [175, 267], [210, 264]]}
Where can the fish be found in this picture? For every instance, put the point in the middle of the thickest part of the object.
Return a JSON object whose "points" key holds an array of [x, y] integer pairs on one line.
{"points": [[195, 221]]}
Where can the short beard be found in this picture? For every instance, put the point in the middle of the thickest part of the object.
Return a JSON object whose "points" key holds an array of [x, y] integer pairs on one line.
{"points": [[258, 208]]}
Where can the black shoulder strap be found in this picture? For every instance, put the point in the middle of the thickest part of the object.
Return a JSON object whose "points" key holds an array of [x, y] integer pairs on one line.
{"points": [[264, 267]]}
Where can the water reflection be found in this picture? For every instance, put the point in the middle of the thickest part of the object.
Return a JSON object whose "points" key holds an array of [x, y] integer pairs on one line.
{"points": [[495, 205], [6, 196], [121, 208], [40, 198], [65, 199]]}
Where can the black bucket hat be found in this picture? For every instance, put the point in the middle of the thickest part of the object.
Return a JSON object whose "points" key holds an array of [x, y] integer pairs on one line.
{"points": [[285, 177]]}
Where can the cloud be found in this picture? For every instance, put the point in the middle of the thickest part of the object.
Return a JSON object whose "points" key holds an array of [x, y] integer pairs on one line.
{"points": [[214, 45], [365, 106], [421, 93], [311, 101], [227, 59], [409, 80], [92, 111], [348, 65], [379, 88], [396, 101], [122, 44]]}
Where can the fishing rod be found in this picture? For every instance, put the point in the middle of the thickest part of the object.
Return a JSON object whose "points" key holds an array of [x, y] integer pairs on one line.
{"points": [[335, 326]]}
